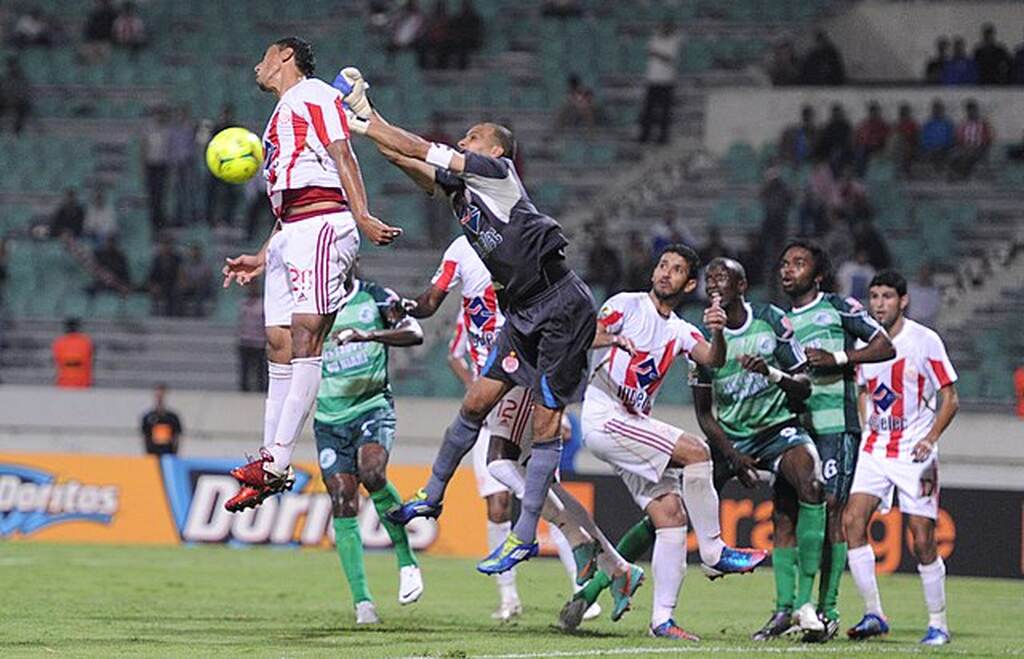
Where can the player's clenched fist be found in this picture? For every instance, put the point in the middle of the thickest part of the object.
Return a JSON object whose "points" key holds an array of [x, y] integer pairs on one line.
{"points": [[714, 316], [376, 231], [352, 86]]}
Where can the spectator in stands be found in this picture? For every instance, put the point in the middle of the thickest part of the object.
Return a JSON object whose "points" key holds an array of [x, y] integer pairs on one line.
{"points": [[434, 46], [604, 268], [905, 138], [69, 218], [181, 159], [851, 198], [3, 276], [784, 67], [798, 142], [669, 232], [72, 356], [871, 137], [111, 273], [960, 69], [562, 8], [578, 110], [436, 210], [33, 28], [100, 220], [973, 140], [1018, 388], [98, 33], [868, 238], [1017, 66], [196, 283], [835, 144], [776, 200], [854, 276], [1015, 152], [15, 96], [938, 136], [252, 355], [161, 427], [258, 214], [638, 263], [221, 197], [407, 28], [754, 258], [163, 279], [823, 65], [660, 76], [992, 58], [925, 298], [469, 25], [936, 66], [156, 164], [820, 197], [129, 30], [715, 247]]}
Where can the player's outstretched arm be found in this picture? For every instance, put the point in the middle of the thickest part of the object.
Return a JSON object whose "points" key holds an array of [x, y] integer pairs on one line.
{"points": [[428, 302], [947, 410], [406, 332], [421, 173], [746, 472], [352, 182], [397, 140], [796, 385], [247, 267]]}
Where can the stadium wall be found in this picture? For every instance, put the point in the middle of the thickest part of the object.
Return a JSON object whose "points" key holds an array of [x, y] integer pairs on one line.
{"points": [[892, 41], [758, 116]]}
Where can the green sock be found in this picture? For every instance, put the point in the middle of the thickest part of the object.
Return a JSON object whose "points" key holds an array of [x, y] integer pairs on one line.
{"points": [[810, 535], [784, 569], [833, 564], [350, 551], [384, 500], [637, 540]]}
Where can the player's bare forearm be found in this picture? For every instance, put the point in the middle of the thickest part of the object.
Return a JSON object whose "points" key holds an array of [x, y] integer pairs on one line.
{"points": [[862, 406], [393, 138], [702, 403], [422, 174], [406, 333], [879, 349], [711, 353], [428, 302], [948, 408], [461, 371], [351, 178], [796, 385]]}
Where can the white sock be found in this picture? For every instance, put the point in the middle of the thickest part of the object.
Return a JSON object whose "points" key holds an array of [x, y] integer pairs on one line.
{"points": [[300, 400], [512, 475], [496, 534], [669, 566], [862, 566], [701, 501], [278, 382], [933, 579], [564, 553]]}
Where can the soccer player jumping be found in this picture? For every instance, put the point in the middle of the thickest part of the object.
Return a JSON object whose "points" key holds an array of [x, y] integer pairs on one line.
{"points": [[899, 450], [318, 197], [549, 311]]}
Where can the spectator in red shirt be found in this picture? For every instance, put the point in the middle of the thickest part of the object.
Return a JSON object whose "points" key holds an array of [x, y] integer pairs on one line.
{"points": [[905, 138], [871, 136], [973, 140]]}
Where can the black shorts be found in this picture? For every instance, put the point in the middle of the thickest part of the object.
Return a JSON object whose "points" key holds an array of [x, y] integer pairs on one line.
{"points": [[544, 343]]}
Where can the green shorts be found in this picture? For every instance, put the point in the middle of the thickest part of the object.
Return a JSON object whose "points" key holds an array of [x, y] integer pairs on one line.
{"points": [[766, 448], [838, 453], [337, 445]]}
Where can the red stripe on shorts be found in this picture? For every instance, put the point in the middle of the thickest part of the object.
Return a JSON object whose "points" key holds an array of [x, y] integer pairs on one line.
{"points": [[892, 449], [642, 436]]}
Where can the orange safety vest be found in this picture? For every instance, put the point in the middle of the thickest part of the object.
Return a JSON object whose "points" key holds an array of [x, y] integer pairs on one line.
{"points": [[72, 353], [1018, 386]]}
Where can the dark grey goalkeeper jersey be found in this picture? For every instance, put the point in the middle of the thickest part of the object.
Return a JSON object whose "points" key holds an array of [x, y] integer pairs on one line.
{"points": [[504, 227]]}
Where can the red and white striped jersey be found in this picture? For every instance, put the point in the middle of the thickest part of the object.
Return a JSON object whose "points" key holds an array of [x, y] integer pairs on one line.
{"points": [[307, 119], [632, 381], [902, 392], [481, 317]]}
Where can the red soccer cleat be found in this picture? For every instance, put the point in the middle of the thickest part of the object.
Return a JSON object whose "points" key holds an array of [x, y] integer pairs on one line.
{"points": [[247, 497], [253, 473], [258, 483]]}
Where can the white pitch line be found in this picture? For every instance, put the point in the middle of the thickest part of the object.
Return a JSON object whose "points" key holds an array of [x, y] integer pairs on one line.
{"points": [[704, 649]]}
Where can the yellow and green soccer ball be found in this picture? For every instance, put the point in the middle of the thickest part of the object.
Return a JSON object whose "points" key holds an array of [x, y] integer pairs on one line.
{"points": [[234, 155]]}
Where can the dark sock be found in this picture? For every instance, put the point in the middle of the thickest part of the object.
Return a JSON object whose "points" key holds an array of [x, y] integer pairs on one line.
{"points": [[458, 440], [540, 473]]}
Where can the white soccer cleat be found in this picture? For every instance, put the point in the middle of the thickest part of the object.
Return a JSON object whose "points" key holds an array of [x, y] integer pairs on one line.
{"points": [[366, 614], [410, 584], [806, 618], [509, 609], [593, 612]]}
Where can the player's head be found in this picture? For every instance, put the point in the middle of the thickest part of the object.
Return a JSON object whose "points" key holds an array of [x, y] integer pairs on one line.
{"points": [[72, 325], [489, 139], [290, 56], [675, 274], [803, 267], [887, 297], [725, 278]]}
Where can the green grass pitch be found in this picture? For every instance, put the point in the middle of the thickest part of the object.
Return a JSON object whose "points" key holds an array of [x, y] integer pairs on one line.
{"points": [[61, 600]]}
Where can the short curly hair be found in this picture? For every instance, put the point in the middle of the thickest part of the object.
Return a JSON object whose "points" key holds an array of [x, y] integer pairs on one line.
{"points": [[302, 50]]}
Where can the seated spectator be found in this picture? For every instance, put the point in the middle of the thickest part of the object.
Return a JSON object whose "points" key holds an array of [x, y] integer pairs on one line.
{"points": [[1017, 66], [162, 282], [15, 96], [407, 28], [562, 8], [33, 28], [871, 136], [835, 144], [252, 352], [578, 109], [98, 32], [776, 200], [973, 140], [992, 58], [820, 197], [638, 263], [69, 218], [867, 237], [960, 69], [715, 247], [854, 276], [469, 27], [938, 136], [754, 258], [851, 199], [798, 142], [669, 232], [784, 67], [161, 427], [936, 66], [434, 44], [111, 273], [925, 298], [604, 269], [196, 283], [100, 220], [823, 65], [905, 139], [72, 356], [128, 30]]}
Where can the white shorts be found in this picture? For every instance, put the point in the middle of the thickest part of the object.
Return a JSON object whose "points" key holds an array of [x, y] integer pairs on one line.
{"points": [[644, 491], [916, 482], [512, 418], [308, 262]]}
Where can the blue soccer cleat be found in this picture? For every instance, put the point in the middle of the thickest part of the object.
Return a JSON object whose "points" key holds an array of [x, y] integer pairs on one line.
{"points": [[735, 561], [623, 587], [935, 636], [585, 556], [417, 506], [870, 625], [669, 629], [511, 553]]}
